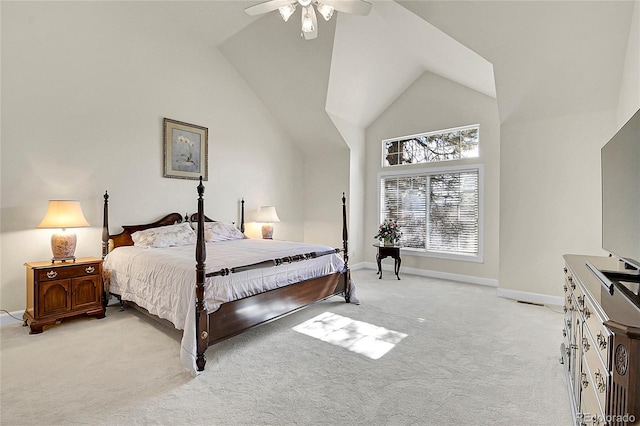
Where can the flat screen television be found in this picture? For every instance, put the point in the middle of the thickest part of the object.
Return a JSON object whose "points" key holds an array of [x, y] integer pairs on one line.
{"points": [[620, 160]]}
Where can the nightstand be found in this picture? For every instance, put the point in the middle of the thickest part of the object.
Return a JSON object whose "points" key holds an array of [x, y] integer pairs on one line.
{"points": [[62, 290]]}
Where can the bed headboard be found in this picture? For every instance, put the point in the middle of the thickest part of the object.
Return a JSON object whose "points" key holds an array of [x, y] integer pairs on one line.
{"points": [[112, 241], [194, 218]]}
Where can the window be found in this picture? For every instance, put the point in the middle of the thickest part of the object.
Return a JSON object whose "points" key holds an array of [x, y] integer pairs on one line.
{"points": [[438, 210], [441, 145]]}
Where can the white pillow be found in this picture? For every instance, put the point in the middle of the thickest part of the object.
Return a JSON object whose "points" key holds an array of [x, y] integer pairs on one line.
{"points": [[165, 236], [220, 231]]}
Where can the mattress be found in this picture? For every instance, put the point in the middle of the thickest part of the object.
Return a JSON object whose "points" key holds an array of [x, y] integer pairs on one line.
{"points": [[162, 280]]}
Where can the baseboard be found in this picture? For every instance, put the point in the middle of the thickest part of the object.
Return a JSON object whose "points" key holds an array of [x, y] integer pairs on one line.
{"points": [[437, 274], [361, 265], [6, 319], [525, 296]]}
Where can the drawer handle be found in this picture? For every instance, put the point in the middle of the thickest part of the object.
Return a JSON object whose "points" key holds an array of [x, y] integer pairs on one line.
{"points": [[581, 300], [565, 288], [600, 383], [602, 341], [585, 382], [585, 344], [90, 269], [564, 332], [52, 274], [586, 313]]}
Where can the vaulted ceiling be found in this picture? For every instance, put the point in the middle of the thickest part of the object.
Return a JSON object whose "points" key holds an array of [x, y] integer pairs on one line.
{"points": [[538, 59]]}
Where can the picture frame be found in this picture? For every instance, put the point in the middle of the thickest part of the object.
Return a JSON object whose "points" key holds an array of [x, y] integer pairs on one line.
{"points": [[185, 150]]}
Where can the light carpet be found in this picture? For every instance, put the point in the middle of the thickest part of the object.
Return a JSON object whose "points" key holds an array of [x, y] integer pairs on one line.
{"points": [[469, 358]]}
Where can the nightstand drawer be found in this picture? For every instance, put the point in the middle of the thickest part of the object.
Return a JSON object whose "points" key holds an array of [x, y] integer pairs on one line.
{"points": [[58, 273]]}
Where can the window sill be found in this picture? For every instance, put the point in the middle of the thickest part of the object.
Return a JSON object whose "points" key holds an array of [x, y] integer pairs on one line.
{"points": [[439, 255]]}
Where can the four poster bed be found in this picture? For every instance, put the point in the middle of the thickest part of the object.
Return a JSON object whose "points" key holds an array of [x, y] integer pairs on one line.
{"points": [[247, 282]]}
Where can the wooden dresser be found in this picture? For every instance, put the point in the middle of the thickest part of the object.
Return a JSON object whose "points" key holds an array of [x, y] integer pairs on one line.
{"points": [[601, 343], [61, 290]]}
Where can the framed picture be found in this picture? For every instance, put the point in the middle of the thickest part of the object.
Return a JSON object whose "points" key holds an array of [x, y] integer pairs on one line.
{"points": [[185, 150]]}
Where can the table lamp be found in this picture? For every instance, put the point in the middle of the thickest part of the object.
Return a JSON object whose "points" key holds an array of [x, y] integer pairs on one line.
{"points": [[267, 215], [63, 214]]}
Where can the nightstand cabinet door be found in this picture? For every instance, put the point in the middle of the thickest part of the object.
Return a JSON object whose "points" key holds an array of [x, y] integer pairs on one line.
{"points": [[60, 290], [53, 298], [85, 291]]}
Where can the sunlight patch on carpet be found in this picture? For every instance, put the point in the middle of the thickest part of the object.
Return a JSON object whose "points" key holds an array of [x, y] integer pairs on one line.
{"points": [[363, 338]]}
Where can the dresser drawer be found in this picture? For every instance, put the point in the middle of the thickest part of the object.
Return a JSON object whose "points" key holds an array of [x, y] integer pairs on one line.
{"points": [[600, 334], [600, 378], [591, 405], [60, 273]]}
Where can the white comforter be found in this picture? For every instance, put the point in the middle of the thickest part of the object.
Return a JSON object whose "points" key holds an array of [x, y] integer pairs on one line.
{"points": [[162, 280]]}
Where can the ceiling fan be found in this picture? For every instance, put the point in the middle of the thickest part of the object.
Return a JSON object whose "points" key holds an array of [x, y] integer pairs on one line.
{"points": [[309, 20]]}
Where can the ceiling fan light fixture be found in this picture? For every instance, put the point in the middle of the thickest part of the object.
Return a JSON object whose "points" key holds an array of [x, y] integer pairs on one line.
{"points": [[307, 22], [287, 11], [325, 11], [309, 11]]}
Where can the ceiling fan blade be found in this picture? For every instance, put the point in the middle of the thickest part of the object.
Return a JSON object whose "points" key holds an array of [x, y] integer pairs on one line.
{"points": [[267, 6], [310, 35], [355, 7]]}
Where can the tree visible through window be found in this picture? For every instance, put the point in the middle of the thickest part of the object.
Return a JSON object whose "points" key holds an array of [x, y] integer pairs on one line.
{"points": [[438, 209], [429, 147], [437, 212]]}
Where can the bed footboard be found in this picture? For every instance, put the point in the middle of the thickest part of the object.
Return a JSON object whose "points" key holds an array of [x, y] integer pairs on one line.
{"points": [[233, 318]]}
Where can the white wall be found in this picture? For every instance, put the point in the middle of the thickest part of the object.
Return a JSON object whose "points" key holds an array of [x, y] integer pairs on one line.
{"points": [[85, 87], [551, 187], [550, 198], [434, 103], [324, 184], [630, 85], [355, 137]]}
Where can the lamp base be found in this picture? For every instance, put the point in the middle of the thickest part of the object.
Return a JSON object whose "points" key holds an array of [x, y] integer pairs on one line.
{"points": [[63, 259], [267, 232], [63, 246]]}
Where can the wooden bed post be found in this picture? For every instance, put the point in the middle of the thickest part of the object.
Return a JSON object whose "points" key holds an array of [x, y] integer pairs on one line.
{"points": [[202, 320], [242, 216], [345, 247], [105, 226]]}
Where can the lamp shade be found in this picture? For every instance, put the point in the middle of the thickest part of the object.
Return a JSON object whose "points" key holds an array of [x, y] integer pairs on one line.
{"points": [[325, 11], [64, 214], [267, 214], [287, 11]]}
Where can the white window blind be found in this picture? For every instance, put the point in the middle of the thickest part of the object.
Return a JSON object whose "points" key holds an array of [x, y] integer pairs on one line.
{"points": [[438, 212]]}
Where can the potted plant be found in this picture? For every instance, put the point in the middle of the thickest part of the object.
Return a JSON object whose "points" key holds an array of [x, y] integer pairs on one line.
{"points": [[388, 232]]}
